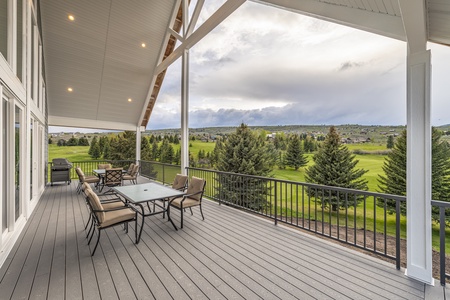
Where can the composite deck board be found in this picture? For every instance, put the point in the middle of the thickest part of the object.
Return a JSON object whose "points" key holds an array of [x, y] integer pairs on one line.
{"points": [[230, 255], [322, 260]]}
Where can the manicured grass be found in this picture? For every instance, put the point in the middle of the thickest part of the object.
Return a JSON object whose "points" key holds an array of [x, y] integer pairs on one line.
{"points": [[72, 153]]}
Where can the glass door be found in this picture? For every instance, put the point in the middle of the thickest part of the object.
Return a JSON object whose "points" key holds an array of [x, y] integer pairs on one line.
{"points": [[5, 188], [17, 159]]}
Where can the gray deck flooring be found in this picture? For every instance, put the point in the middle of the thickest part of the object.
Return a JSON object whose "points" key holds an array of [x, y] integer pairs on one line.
{"points": [[230, 255]]}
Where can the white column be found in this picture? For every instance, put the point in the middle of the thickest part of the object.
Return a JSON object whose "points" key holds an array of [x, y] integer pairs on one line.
{"points": [[184, 111], [138, 144], [419, 251]]}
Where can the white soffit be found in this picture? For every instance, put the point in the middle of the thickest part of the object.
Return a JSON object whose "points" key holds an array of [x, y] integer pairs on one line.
{"points": [[100, 56], [382, 17]]}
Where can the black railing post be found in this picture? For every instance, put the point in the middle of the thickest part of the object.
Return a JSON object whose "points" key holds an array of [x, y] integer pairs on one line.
{"points": [[276, 204], [397, 234], [442, 243]]}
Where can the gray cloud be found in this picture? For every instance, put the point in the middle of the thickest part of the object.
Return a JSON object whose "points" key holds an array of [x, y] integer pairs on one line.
{"points": [[296, 70]]}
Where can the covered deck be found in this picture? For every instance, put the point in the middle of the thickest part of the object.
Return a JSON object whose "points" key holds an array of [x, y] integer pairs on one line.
{"points": [[232, 254]]}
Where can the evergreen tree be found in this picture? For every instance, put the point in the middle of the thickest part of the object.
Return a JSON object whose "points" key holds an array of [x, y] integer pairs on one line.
{"points": [[102, 141], [83, 141], [123, 146], [281, 160], [61, 142], [177, 158], [106, 150], [146, 149], [73, 141], [96, 153], [294, 155], [394, 179], [93, 142], [167, 152], [155, 150], [334, 165], [50, 141], [244, 153], [390, 142]]}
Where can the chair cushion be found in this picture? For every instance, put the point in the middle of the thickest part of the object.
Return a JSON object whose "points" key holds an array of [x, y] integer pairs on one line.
{"points": [[117, 216], [188, 202], [130, 169], [195, 185], [111, 205], [85, 186], [128, 177], [91, 179], [96, 204], [179, 182], [104, 166]]}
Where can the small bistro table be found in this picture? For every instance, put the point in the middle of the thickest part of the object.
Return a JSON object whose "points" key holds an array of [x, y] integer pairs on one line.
{"points": [[139, 194]]}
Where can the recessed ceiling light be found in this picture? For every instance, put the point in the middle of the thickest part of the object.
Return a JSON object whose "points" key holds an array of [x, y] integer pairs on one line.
{"points": [[129, 100], [71, 18], [143, 45], [69, 89]]}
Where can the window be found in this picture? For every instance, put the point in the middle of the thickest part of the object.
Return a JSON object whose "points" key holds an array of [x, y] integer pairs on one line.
{"points": [[31, 158], [19, 70], [4, 28], [17, 157], [5, 152]]}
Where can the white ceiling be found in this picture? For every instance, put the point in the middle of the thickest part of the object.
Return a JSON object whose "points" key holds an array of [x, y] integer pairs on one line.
{"points": [[100, 56]]}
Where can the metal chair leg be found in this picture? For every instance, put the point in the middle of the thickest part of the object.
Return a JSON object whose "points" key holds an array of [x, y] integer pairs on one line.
{"points": [[96, 244], [190, 208], [201, 211], [181, 217]]}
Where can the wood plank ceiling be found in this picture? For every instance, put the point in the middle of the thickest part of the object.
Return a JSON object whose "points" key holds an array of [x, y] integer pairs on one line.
{"points": [[100, 56]]}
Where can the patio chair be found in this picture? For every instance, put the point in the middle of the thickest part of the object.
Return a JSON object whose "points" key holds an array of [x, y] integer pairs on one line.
{"points": [[113, 177], [109, 201], [179, 183], [130, 168], [104, 218], [104, 166], [133, 175], [192, 198], [83, 178]]}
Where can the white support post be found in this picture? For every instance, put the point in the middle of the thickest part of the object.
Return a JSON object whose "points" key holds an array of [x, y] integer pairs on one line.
{"points": [[419, 253], [184, 111], [138, 144]]}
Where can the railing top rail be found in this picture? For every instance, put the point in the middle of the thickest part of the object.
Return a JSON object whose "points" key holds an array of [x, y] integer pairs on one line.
{"points": [[310, 185]]}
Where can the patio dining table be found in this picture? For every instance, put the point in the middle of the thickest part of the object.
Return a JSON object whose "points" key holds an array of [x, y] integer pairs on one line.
{"points": [[139, 194]]}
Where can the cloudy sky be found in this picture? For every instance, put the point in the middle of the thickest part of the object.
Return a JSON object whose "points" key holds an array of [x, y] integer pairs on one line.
{"points": [[266, 66]]}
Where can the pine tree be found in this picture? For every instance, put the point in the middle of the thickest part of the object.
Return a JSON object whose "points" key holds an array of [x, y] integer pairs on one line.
{"points": [[96, 153], [106, 150], [394, 179], [167, 152], [93, 142], [334, 165], [390, 142], [145, 149], [244, 153], [294, 155], [155, 150]]}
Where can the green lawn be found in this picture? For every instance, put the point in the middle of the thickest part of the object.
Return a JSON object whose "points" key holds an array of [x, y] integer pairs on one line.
{"points": [[72, 153]]}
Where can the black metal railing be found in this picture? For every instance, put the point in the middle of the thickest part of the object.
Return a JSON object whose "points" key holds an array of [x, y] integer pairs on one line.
{"points": [[88, 166], [444, 208], [367, 220], [161, 172]]}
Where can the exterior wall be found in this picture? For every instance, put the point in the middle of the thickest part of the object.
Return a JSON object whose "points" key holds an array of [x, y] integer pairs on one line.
{"points": [[23, 118]]}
